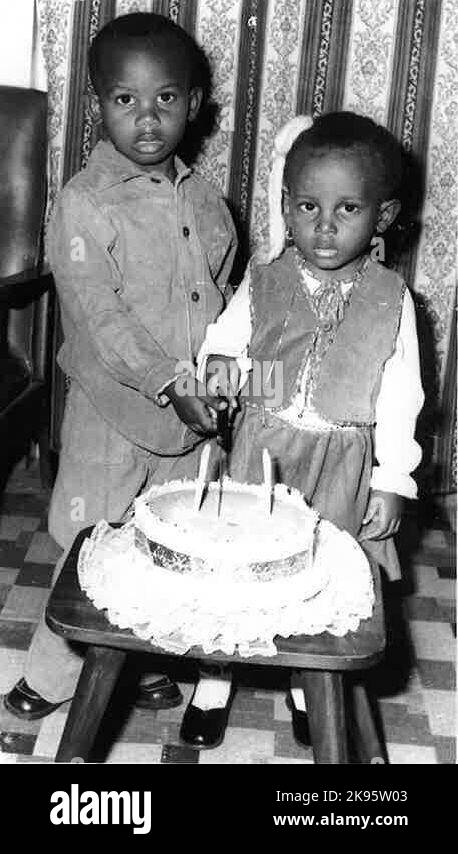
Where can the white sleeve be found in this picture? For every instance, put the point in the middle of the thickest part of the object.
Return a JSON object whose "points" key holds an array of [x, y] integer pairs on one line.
{"points": [[398, 405], [231, 333]]}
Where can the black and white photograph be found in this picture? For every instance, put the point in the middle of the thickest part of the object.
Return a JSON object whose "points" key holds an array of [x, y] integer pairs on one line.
{"points": [[228, 247]]}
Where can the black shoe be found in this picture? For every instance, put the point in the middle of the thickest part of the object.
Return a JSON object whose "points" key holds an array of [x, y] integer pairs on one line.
{"points": [[299, 721], [161, 694], [203, 729], [27, 704]]}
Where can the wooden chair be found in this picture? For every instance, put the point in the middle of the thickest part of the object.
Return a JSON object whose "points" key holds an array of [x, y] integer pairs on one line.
{"points": [[323, 662]]}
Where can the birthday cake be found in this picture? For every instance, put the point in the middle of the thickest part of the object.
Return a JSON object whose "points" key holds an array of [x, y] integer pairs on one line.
{"points": [[228, 575], [238, 533]]}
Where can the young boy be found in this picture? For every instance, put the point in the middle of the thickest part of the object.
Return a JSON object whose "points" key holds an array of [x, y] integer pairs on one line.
{"points": [[141, 250]]}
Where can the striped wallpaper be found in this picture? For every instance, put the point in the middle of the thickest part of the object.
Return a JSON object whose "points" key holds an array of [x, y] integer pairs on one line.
{"points": [[393, 60]]}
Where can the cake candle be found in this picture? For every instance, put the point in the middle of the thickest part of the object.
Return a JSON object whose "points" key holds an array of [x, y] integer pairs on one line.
{"points": [[267, 466], [202, 477]]}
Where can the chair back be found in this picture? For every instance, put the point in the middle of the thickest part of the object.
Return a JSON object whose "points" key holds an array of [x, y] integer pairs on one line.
{"points": [[22, 178], [23, 185]]}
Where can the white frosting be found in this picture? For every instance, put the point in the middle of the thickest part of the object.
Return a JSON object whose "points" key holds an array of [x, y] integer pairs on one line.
{"points": [[243, 533]]}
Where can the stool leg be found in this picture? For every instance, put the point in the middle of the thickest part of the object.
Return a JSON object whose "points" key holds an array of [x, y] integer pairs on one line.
{"points": [[367, 742], [98, 678], [324, 697]]}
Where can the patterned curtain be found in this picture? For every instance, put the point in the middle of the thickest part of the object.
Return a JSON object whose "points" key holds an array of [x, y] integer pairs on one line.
{"points": [[393, 60]]}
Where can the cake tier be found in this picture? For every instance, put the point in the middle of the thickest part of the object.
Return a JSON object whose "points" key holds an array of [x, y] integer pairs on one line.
{"points": [[231, 533]]}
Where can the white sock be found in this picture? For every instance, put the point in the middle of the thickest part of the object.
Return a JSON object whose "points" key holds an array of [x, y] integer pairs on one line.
{"points": [[211, 692], [298, 698]]}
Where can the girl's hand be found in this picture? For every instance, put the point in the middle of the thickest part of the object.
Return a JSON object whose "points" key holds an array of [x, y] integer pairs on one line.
{"points": [[383, 515], [222, 379], [197, 410]]}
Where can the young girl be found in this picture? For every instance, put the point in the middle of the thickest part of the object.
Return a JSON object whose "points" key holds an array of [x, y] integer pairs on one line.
{"points": [[334, 391]]}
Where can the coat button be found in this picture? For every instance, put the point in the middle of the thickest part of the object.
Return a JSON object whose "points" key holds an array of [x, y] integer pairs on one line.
{"points": [[195, 296], [186, 231]]}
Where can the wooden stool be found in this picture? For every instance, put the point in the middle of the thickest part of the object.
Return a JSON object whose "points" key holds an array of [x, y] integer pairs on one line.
{"points": [[322, 661]]}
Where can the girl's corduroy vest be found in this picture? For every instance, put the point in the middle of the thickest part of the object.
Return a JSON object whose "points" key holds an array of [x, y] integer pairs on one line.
{"points": [[346, 382]]}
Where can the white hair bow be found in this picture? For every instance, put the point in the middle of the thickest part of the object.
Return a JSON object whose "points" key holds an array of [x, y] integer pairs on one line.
{"points": [[282, 144]]}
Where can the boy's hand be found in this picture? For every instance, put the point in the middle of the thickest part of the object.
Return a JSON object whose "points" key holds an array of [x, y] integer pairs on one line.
{"points": [[198, 411], [222, 379], [383, 515]]}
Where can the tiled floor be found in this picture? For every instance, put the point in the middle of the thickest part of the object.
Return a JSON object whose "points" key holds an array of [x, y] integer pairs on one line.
{"points": [[415, 685]]}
